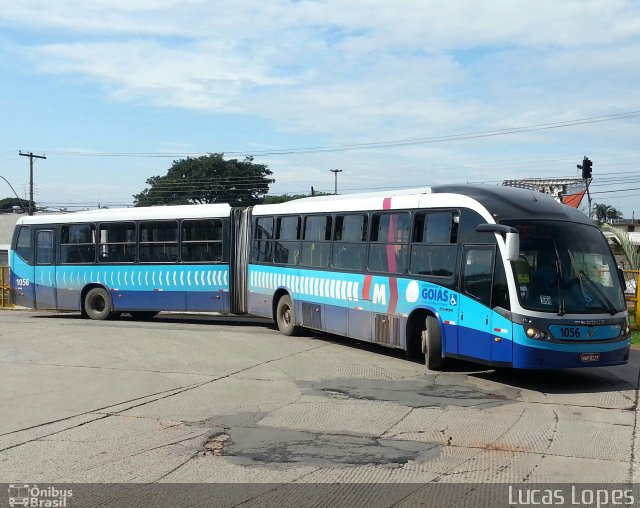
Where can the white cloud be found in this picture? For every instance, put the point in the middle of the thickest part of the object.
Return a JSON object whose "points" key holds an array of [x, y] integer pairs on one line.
{"points": [[358, 71]]}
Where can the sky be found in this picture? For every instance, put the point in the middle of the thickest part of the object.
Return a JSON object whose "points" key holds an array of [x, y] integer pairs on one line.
{"points": [[392, 93]]}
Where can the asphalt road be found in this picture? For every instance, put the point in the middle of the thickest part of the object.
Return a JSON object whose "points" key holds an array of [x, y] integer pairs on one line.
{"points": [[195, 399]]}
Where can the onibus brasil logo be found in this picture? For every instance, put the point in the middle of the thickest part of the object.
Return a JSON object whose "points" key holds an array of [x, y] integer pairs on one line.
{"points": [[34, 496]]}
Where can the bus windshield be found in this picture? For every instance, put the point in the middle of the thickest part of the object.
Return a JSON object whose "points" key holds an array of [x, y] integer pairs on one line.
{"points": [[566, 268]]}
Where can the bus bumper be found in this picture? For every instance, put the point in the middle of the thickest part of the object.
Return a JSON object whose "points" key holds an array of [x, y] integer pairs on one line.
{"points": [[527, 357]]}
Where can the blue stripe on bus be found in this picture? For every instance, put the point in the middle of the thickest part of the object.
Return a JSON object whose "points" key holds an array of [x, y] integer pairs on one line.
{"points": [[159, 287]]}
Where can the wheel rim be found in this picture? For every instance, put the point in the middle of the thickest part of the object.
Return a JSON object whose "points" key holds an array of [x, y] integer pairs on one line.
{"points": [[97, 303], [286, 315]]}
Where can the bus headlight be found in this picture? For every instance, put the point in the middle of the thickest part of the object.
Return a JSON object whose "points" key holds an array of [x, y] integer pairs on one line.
{"points": [[534, 333]]}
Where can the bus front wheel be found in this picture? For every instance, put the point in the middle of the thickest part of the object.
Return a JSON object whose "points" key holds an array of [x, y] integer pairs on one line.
{"points": [[286, 316], [432, 344], [97, 304]]}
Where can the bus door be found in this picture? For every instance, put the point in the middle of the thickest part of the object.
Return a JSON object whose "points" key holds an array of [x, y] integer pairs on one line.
{"points": [[475, 330], [45, 270]]}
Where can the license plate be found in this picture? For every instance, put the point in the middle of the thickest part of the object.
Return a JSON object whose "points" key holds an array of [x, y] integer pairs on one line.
{"points": [[589, 357]]}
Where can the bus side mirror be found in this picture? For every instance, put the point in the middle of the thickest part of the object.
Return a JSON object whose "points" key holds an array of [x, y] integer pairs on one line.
{"points": [[513, 246], [511, 236]]}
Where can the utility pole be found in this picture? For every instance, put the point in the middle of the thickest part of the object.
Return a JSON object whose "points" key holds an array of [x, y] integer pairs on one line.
{"points": [[31, 157], [335, 174]]}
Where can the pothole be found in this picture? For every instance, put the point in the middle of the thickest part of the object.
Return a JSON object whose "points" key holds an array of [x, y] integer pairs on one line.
{"points": [[215, 445], [273, 446]]}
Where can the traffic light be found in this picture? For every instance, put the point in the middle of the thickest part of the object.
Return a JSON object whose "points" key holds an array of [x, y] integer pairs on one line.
{"points": [[586, 168]]}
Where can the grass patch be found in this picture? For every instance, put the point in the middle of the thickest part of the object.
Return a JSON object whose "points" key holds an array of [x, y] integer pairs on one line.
{"points": [[635, 337]]}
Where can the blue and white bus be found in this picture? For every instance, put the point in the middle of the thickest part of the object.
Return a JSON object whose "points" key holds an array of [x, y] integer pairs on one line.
{"points": [[495, 275], [139, 260]]}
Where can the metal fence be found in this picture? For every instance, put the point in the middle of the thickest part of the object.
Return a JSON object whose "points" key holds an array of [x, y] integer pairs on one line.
{"points": [[5, 295], [632, 294]]}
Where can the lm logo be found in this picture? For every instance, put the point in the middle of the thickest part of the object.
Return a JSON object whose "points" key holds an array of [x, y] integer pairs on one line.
{"points": [[380, 294]]}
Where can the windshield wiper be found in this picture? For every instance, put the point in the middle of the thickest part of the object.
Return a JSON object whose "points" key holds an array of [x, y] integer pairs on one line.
{"points": [[561, 309], [600, 295]]}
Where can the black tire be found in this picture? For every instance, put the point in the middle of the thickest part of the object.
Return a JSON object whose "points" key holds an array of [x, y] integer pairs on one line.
{"points": [[286, 316], [432, 344], [97, 304], [143, 315]]}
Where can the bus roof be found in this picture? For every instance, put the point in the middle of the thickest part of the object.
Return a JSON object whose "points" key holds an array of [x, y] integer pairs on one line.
{"points": [[491, 201], [505, 202], [139, 213]]}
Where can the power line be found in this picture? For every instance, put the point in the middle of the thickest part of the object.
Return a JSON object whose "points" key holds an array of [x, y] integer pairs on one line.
{"points": [[372, 144]]}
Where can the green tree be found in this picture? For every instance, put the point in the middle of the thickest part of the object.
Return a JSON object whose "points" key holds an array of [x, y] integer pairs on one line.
{"points": [[282, 198], [7, 204], [208, 179]]}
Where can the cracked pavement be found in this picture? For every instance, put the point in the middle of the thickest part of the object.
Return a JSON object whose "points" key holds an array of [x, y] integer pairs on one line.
{"points": [[195, 399]]}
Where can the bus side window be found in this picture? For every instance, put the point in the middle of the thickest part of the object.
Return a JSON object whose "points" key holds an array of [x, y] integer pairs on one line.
{"points": [[478, 273], [500, 291], [287, 245], [388, 246], [350, 242], [23, 243], [78, 243], [262, 240], [433, 250], [202, 240], [316, 241], [117, 243], [44, 247], [159, 241]]}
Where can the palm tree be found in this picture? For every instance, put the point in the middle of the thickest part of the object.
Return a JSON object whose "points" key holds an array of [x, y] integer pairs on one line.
{"points": [[630, 249], [605, 213]]}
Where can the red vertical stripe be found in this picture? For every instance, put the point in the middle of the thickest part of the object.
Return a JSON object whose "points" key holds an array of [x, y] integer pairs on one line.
{"points": [[391, 235], [393, 298], [366, 289]]}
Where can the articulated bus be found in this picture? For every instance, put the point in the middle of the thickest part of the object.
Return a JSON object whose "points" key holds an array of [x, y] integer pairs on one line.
{"points": [[495, 275]]}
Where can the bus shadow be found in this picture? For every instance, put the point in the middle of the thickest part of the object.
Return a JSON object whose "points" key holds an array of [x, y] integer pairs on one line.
{"points": [[566, 381], [561, 381], [199, 319]]}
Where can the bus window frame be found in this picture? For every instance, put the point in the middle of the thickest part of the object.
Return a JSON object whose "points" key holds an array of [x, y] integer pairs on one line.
{"points": [[455, 247], [28, 228], [495, 255], [269, 241], [277, 240], [334, 243], [53, 261], [182, 242], [406, 243], [135, 243], [140, 243], [325, 242], [59, 245]]}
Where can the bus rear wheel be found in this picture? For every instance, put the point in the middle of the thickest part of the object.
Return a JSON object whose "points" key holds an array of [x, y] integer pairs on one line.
{"points": [[97, 304], [286, 316], [432, 344]]}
